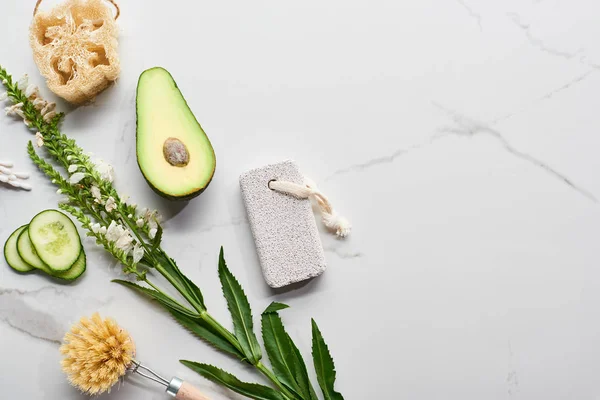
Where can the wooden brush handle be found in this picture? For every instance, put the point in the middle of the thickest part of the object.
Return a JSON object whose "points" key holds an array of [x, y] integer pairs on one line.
{"points": [[189, 392]]}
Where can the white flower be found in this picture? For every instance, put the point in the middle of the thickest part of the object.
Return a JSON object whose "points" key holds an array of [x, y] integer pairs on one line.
{"points": [[4, 81], [110, 204], [49, 116], [152, 233], [27, 122], [138, 253], [114, 231], [59, 191], [48, 108], [20, 113], [125, 242], [3, 96], [12, 110], [102, 230], [39, 103], [104, 169], [152, 224], [139, 222], [96, 193], [73, 168], [151, 217], [130, 216], [95, 227], [31, 91], [22, 83], [69, 158], [76, 177], [39, 139], [148, 214]]}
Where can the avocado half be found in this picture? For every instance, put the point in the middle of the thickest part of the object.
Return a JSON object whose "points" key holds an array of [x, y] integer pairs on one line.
{"points": [[173, 152]]}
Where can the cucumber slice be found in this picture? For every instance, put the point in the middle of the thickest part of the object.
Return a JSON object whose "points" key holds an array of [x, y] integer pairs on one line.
{"points": [[75, 271], [11, 254], [28, 254], [55, 239]]}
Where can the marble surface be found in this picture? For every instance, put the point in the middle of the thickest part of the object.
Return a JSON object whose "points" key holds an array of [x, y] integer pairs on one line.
{"points": [[460, 137]]}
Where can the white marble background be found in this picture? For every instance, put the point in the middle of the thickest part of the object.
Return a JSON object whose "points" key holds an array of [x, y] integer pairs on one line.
{"points": [[460, 137]]}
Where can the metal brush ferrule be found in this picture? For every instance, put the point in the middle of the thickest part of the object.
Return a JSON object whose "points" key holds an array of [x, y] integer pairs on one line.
{"points": [[174, 386]]}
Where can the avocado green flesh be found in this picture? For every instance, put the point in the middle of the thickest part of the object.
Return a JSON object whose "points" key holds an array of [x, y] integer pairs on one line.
{"points": [[163, 113]]}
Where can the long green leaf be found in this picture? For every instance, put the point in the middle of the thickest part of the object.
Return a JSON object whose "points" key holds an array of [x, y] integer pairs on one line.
{"points": [[158, 296], [324, 365], [287, 362], [274, 307], [302, 377], [251, 390], [168, 266], [157, 238], [187, 319], [238, 305], [200, 328]]}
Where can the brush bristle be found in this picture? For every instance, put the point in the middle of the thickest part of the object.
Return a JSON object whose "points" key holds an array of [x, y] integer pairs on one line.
{"points": [[97, 353]]}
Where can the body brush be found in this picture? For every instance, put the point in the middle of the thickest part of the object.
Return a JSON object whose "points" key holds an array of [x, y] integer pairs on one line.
{"points": [[97, 353]]}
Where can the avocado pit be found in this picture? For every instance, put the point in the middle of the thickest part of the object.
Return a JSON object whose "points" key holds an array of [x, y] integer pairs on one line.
{"points": [[175, 152]]}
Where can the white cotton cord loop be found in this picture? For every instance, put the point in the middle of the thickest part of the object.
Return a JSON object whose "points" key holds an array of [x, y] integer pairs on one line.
{"points": [[332, 220]]}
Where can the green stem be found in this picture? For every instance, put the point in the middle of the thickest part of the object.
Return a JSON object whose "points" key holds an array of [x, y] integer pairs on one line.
{"points": [[269, 374], [135, 232], [184, 309], [234, 342], [181, 290], [222, 330], [156, 288]]}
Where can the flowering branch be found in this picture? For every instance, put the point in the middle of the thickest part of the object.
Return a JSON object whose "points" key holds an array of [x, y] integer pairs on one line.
{"points": [[133, 237]]}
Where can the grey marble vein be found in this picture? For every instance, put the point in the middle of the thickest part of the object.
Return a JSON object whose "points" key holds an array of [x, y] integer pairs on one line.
{"points": [[536, 41], [472, 14], [512, 379], [31, 334], [465, 126], [545, 96], [43, 313], [566, 85], [236, 221], [343, 254], [386, 159], [129, 151]]}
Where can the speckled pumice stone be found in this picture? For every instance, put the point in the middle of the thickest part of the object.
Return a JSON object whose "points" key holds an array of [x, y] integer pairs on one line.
{"points": [[285, 232]]}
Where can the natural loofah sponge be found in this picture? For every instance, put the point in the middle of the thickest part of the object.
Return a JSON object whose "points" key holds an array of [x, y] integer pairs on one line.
{"points": [[75, 48]]}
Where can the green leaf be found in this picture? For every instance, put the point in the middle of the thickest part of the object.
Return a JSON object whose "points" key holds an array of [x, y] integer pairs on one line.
{"points": [[169, 267], [203, 330], [275, 306], [187, 319], [287, 362], [250, 390], [303, 379], [324, 365], [192, 288], [163, 299], [238, 305], [157, 238]]}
